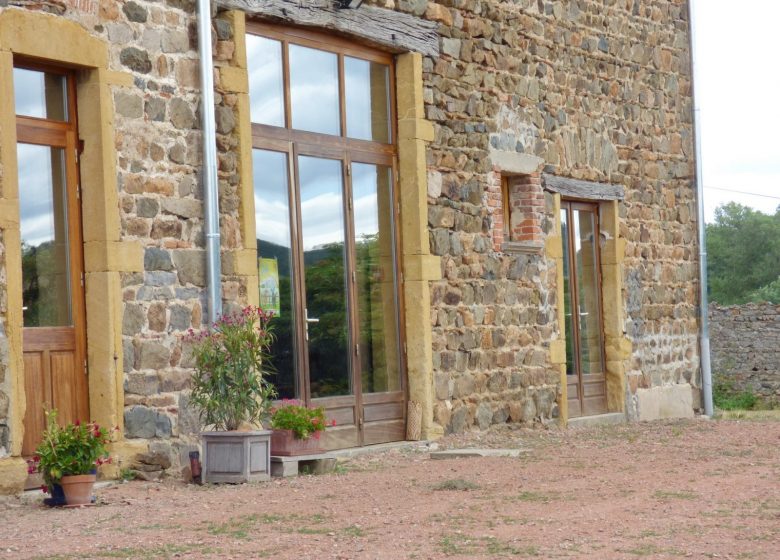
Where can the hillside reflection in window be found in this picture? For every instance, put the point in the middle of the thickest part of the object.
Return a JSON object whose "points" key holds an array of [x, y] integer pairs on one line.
{"points": [[322, 231], [272, 214], [374, 258], [44, 229]]}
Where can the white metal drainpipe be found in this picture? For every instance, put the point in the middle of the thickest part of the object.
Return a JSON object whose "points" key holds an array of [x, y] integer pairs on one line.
{"points": [[706, 368], [209, 173]]}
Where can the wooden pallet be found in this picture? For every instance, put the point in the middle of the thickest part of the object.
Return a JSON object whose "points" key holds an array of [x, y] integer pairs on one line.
{"points": [[320, 463]]}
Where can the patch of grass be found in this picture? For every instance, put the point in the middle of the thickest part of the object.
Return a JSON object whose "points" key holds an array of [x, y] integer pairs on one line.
{"points": [[759, 415], [354, 531], [240, 527], [151, 553], [541, 497], [456, 484], [728, 397], [126, 475], [671, 495], [463, 545]]}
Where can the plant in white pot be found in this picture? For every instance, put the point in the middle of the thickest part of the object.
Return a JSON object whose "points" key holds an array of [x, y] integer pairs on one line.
{"points": [[231, 390]]}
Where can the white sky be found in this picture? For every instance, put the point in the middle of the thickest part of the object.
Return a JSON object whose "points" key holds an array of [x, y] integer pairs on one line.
{"points": [[738, 87]]}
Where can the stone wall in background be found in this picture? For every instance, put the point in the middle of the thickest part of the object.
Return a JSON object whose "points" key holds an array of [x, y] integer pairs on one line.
{"points": [[745, 346]]}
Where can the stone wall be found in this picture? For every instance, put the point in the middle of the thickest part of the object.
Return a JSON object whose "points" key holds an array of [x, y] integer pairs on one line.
{"points": [[156, 122], [600, 90], [745, 346]]}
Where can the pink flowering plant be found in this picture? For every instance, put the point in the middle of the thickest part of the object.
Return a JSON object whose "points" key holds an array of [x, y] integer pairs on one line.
{"points": [[72, 449], [230, 386], [293, 415]]}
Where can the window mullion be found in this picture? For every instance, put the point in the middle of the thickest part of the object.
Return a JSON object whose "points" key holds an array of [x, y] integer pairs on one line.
{"points": [[342, 97]]}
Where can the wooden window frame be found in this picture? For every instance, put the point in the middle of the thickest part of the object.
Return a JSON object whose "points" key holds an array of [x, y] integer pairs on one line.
{"points": [[347, 150]]}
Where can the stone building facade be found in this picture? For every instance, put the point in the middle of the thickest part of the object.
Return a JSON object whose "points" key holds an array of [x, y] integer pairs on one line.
{"points": [[507, 116], [746, 347]]}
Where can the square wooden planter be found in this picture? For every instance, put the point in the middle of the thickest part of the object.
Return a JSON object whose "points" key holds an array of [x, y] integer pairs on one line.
{"points": [[284, 444], [236, 457]]}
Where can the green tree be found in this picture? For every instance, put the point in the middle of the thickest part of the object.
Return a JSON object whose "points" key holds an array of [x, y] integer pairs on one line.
{"points": [[743, 247]]}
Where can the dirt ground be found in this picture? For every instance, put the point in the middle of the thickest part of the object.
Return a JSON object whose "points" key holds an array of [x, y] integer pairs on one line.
{"points": [[682, 489]]}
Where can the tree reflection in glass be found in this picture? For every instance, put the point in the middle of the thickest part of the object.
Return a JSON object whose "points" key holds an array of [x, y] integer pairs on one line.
{"points": [[272, 219], [44, 229], [375, 274], [322, 221]]}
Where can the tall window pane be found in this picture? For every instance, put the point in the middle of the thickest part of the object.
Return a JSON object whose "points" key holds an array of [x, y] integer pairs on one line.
{"points": [[40, 94], [266, 81], [274, 261], [591, 358], [314, 90], [375, 277], [367, 90], [44, 225], [324, 261]]}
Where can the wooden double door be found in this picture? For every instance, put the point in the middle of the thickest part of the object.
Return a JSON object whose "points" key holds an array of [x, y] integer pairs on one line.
{"points": [[585, 359], [326, 246], [53, 336]]}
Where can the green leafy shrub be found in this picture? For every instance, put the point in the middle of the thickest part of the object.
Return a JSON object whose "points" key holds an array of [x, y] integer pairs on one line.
{"points": [[230, 385], [70, 450], [293, 415]]}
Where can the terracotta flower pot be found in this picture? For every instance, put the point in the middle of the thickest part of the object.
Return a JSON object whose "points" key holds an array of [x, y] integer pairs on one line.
{"points": [[285, 444], [78, 488]]}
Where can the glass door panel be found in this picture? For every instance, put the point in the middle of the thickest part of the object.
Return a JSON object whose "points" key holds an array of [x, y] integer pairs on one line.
{"points": [[588, 300], [585, 366], [325, 279], [274, 261], [375, 278], [43, 204], [567, 295]]}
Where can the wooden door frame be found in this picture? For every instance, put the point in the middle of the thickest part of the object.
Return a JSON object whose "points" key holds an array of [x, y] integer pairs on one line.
{"points": [[64, 135], [570, 206]]}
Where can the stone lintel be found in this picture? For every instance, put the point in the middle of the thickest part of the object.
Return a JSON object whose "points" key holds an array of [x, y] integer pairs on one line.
{"points": [[526, 247], [515, 163], [395, 31], [582, 189]]}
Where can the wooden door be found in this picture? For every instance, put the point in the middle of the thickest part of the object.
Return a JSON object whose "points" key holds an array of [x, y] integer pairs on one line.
{"points": [[585, 360], [53, 337]]}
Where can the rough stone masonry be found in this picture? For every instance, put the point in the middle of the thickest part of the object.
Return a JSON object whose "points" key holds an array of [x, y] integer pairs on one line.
{"points": [[745, 342], [599, 90]]}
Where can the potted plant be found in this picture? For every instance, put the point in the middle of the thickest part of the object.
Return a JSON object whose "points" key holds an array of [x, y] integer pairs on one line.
{"points": [[296, 428], [230, 388], [68, 457]]}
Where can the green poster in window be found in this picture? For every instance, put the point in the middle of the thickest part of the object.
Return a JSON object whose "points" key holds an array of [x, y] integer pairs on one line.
{"points": [[269, 285]]}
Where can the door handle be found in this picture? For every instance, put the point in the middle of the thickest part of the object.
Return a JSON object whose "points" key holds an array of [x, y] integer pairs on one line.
{"points": [[308, 320], [311, 319]]}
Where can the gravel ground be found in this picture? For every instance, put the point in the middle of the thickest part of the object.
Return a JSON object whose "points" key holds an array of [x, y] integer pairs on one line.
{"points": [[689, 489]]}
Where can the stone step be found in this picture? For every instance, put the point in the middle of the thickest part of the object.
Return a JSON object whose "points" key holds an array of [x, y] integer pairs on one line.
{"points": [[597, 420], [283, 466]]}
